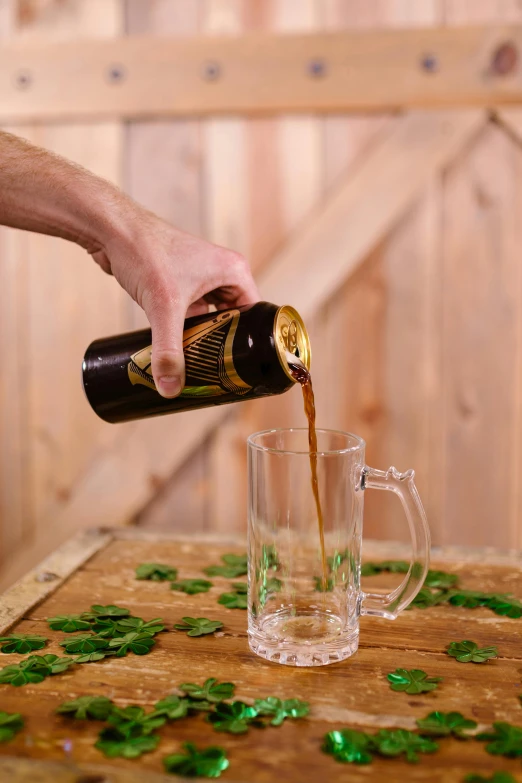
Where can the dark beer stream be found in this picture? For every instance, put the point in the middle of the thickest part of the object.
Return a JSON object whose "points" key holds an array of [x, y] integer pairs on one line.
{"points": [[303, 377]]}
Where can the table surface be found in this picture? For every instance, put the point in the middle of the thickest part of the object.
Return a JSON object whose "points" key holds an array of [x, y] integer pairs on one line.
{"points": [[98, 567]]}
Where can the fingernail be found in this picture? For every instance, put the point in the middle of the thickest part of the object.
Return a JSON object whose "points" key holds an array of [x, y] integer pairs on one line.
{"points": [[169, 386]]}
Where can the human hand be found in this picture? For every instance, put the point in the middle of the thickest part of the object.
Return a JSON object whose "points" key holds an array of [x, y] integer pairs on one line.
{"points": [[172, 275]]}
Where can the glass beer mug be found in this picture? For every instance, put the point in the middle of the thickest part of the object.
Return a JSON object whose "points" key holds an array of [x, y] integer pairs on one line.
{"points": [[297, 615]]}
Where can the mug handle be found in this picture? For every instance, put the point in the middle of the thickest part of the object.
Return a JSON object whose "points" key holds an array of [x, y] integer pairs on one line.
{"points": [[392, 604]]}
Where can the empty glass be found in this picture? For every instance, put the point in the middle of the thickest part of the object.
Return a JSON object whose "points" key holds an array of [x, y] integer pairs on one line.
{"points": [[297, 615]]}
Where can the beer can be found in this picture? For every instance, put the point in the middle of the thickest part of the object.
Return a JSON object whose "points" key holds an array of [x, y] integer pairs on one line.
{"points": [[230, 355]]}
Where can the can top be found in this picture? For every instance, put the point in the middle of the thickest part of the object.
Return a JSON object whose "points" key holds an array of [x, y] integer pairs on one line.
{"points": [[291, 337]]}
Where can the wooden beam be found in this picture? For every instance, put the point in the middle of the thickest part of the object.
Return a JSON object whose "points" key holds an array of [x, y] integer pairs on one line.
{"points": [[323, 255], [260, 73]]}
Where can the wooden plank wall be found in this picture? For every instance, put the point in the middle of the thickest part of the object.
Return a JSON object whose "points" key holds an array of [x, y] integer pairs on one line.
{"points": [[428, 333], [421, 353]]}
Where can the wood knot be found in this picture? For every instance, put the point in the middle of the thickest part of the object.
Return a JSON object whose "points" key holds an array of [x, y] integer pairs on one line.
{"points": [[505, 59]]}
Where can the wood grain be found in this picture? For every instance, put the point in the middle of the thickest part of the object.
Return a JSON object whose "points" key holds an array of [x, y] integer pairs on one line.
{"points": [[354, 693], [258, 74]]}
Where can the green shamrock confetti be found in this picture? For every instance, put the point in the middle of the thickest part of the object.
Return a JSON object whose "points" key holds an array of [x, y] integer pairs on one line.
{"points": [[271, 585], [156, 572], [498, 777], [426, 598], [235, 565], [412, 681], [336, 560], [198, 626], [235, 600], [128, 624], [21, 643], [269, 558], [191, 586], [506, 606], [469, 599], [233, 718], [137, 642], [34, 669], [211, 690], [504, 740], [113, 742], [10, 724], [441, 580], [320, 585], [92, 656], [398, 742], [206, 763], [87, 708], [134, 721], [108, 611], [68, 623], [470, 652], [84, 643], [172, 707], [390, 566], [289, 708], [445, 724], [349, 746]]}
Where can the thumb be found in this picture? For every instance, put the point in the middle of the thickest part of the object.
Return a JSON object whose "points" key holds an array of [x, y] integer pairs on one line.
{"points": [[168, 362]]}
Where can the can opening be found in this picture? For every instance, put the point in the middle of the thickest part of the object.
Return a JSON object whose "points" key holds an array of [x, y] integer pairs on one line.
{"points": [[292, 340]]}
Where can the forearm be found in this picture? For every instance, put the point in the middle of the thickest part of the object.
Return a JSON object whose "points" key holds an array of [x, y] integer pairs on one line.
{"points": [[40, 191]]}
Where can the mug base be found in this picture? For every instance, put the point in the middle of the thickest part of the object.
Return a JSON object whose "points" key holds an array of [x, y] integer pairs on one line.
{"points": [[310, 654]]}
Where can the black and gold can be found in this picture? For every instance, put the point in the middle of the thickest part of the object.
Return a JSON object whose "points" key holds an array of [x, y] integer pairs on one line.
{"points": [[230, 356]]}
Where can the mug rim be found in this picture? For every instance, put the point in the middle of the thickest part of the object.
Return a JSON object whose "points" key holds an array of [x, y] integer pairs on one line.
{"points": [[330, 452]]}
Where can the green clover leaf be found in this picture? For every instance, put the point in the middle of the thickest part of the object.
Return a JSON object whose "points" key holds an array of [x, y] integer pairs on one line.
{"points": [[469, 652], [444, 724], [68, 623], [320, 585], [235, 565], [396, 742], [191, 586], [137, 642], [469, 599], [506, 606], [208, 762], [504, 740], [21, 643], [233, 718], [128, 624], [87, 708], [233, 600], [55, 664], [198, 626], [211, 690], [498, 777], [10, 724], [349, 746], [84, 643], [172, 707], [92, 657], [133, 721], [426, 598], [33, 669], [156, 572], [412, 681], [269, 558], [279, 709], [336, 560], [108, 611], [440, 580], [112, 743]]}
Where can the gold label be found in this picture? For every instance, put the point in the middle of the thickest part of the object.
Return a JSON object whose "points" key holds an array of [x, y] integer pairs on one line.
{"points": [[209, 360]]}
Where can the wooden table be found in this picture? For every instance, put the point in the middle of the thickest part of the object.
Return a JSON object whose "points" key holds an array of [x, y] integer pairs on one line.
{"points": [[98, 567]]}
